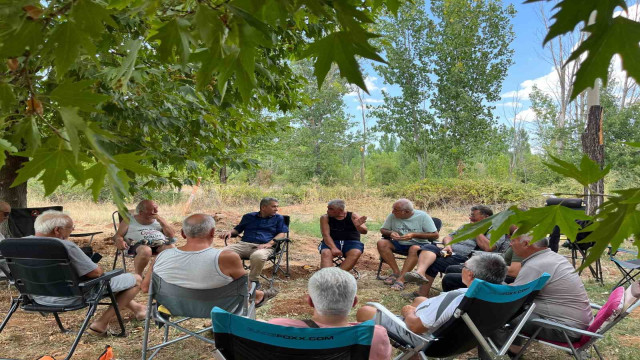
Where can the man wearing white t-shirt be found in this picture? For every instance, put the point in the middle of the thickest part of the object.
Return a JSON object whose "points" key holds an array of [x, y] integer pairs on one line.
{"points": [[424, 316]]}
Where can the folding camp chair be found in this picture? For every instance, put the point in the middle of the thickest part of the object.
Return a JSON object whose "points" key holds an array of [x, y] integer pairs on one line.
{"points": [[246, 339], [630, 269], [485, 308], [122, 253], [21, 222], [169, 300], [281, 249], [402, 255], [337, 261], [607, 317], [42, 267]]}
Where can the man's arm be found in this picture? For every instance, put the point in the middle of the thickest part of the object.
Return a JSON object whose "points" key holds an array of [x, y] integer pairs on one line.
{"points": [[147, 279], [413, 322], [230, 264], [166, 228], [389, 233], [326, 236], [419, 235], [97, 272], [514, 269], [118, 238], [483, 243], [359, 222]]}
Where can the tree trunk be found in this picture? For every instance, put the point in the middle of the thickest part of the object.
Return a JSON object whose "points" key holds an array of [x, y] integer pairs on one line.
{"points": [[223, 174], [15, 196], [593, 147]]}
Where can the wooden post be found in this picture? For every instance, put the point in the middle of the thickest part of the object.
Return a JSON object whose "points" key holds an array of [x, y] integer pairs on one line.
{"points": [[593, 147]]}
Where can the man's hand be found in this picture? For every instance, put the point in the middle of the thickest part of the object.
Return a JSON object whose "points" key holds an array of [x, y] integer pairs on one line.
{"points": [[407, 310], [407, 236], [335, 252], [265, 246], [359, 221], [121, 244], [448, 249], [225, 235], [394, 235]]}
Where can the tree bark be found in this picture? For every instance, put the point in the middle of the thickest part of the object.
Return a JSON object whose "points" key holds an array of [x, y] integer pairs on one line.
{"points": [[15, 196], [223, 174], [593, 147]]}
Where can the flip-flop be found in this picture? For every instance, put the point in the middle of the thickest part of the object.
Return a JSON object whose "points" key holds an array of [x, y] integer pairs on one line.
{"points": [[268, 294], [391, 279], [414, 277], [397, 286], [96, 333]]}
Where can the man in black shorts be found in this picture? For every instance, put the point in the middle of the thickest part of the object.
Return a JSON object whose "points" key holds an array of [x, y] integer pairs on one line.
{"points": [[341, 235]]}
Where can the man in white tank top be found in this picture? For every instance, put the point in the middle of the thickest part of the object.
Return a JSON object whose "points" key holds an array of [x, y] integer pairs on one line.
{"points": [[145, 236], [197, 265]]}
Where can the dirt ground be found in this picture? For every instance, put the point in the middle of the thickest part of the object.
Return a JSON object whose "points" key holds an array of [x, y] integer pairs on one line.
{"points": [[29, 336]]}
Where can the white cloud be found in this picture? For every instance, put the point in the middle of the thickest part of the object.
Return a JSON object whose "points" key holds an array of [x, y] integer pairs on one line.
{"points": [[370, 82], [527, 115], [373, 101], [513, 104]]}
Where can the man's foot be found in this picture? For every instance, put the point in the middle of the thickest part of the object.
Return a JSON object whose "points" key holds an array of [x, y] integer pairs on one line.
{"points": [[415, 277], [268, 294], [397, 286], [96, 333], [391, 279]]}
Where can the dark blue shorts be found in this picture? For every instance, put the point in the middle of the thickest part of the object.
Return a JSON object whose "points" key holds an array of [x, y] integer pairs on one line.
{"points": [[404, 249], [344, 245]]}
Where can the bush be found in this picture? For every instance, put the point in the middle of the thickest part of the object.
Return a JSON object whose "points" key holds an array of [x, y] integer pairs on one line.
{"points": [[439, 192]]}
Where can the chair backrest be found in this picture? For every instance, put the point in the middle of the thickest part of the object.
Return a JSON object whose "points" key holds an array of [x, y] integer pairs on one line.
{"points": [[41, 266], [490, 306], [606, 313], [119, 218], [198, 303], [21, 220], [242, 338], [437, 222]]}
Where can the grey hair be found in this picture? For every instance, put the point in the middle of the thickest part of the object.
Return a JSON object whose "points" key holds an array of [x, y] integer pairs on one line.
{"points": [[266, 201], [198, 225], [332, 291], [484, 210], [405, 204], [339, 203], [141, 206], [488, 267], [49, 220], [542, 243]]}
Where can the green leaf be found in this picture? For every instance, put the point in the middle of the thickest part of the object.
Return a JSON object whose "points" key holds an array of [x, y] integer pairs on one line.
{"points": [[393, 6], [97, 174], [7, 99], [132, 162], [126, 69], [632, 144], [210, 28], [619, 36], [5, 145], [72, 94], [54, 164], [541, 221], [27, 130], [27, 35], [65, 43], [251, 20], [90, 17], [498, 223], [72, 123], [588, 173], [173, 35]]}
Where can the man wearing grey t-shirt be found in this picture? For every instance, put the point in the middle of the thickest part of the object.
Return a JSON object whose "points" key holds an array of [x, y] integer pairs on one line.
{"points": [[408, 230], [434, 260], [58, 225]]}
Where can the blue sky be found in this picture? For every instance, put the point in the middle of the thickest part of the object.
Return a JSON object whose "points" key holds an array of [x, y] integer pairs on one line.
{"points": [[529, 64]]}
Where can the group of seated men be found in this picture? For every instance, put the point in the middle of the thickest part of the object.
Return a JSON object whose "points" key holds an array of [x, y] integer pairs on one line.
{"points": [[332, 291]]}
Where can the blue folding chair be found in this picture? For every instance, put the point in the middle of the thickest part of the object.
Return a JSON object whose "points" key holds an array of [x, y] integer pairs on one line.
{"points": [[485, 308], [245, 339]]}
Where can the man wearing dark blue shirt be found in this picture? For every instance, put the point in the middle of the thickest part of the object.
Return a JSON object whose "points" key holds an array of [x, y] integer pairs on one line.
{"points": [[260, 229]]}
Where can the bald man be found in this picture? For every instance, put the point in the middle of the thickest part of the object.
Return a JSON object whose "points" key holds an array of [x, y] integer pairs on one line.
{"points": [[145, 236]]}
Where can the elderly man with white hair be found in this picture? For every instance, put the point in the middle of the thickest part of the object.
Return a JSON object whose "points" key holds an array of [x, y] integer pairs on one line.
{"points": [[332, 294], [408, 230], [341, 231], [145, 235], [58, 225]]}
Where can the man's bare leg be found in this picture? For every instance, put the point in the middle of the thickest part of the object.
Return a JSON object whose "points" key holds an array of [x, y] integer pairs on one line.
{"points": [[424, 289], [123, 299], [350, 259], [384, 249], [326, 258], [143, 255], [425, 260], [410, 262]]}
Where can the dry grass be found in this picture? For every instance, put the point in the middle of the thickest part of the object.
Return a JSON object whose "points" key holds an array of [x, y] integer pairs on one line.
{"points": [[29, 336]]}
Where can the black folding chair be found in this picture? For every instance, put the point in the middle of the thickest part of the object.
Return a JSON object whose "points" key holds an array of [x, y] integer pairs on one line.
{"points": [[402, 255], [122, 253], [21, 222], [337, 261], [41, 267], [630, 269], [168, 300], [281, 249]]}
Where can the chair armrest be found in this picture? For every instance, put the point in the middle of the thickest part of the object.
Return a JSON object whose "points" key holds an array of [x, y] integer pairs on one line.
{"points": [[105, 276], [595, 306], [548, 324], [397, 329], [86, 234], [281, 240]]}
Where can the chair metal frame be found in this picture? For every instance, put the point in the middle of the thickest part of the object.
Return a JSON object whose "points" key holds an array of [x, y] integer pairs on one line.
{"points": [[52, 274], [630, 269], [402, 255], [119, 252], [281, 249], [580, 352], [192, 303], [337, 261]]}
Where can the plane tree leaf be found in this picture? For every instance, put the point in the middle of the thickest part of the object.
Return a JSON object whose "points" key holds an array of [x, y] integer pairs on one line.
{"points": [[5, 145], [76, 94], [588, 173]]}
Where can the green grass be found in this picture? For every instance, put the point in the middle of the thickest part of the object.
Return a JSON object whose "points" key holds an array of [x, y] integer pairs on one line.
{"points": [[312, 228]]}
